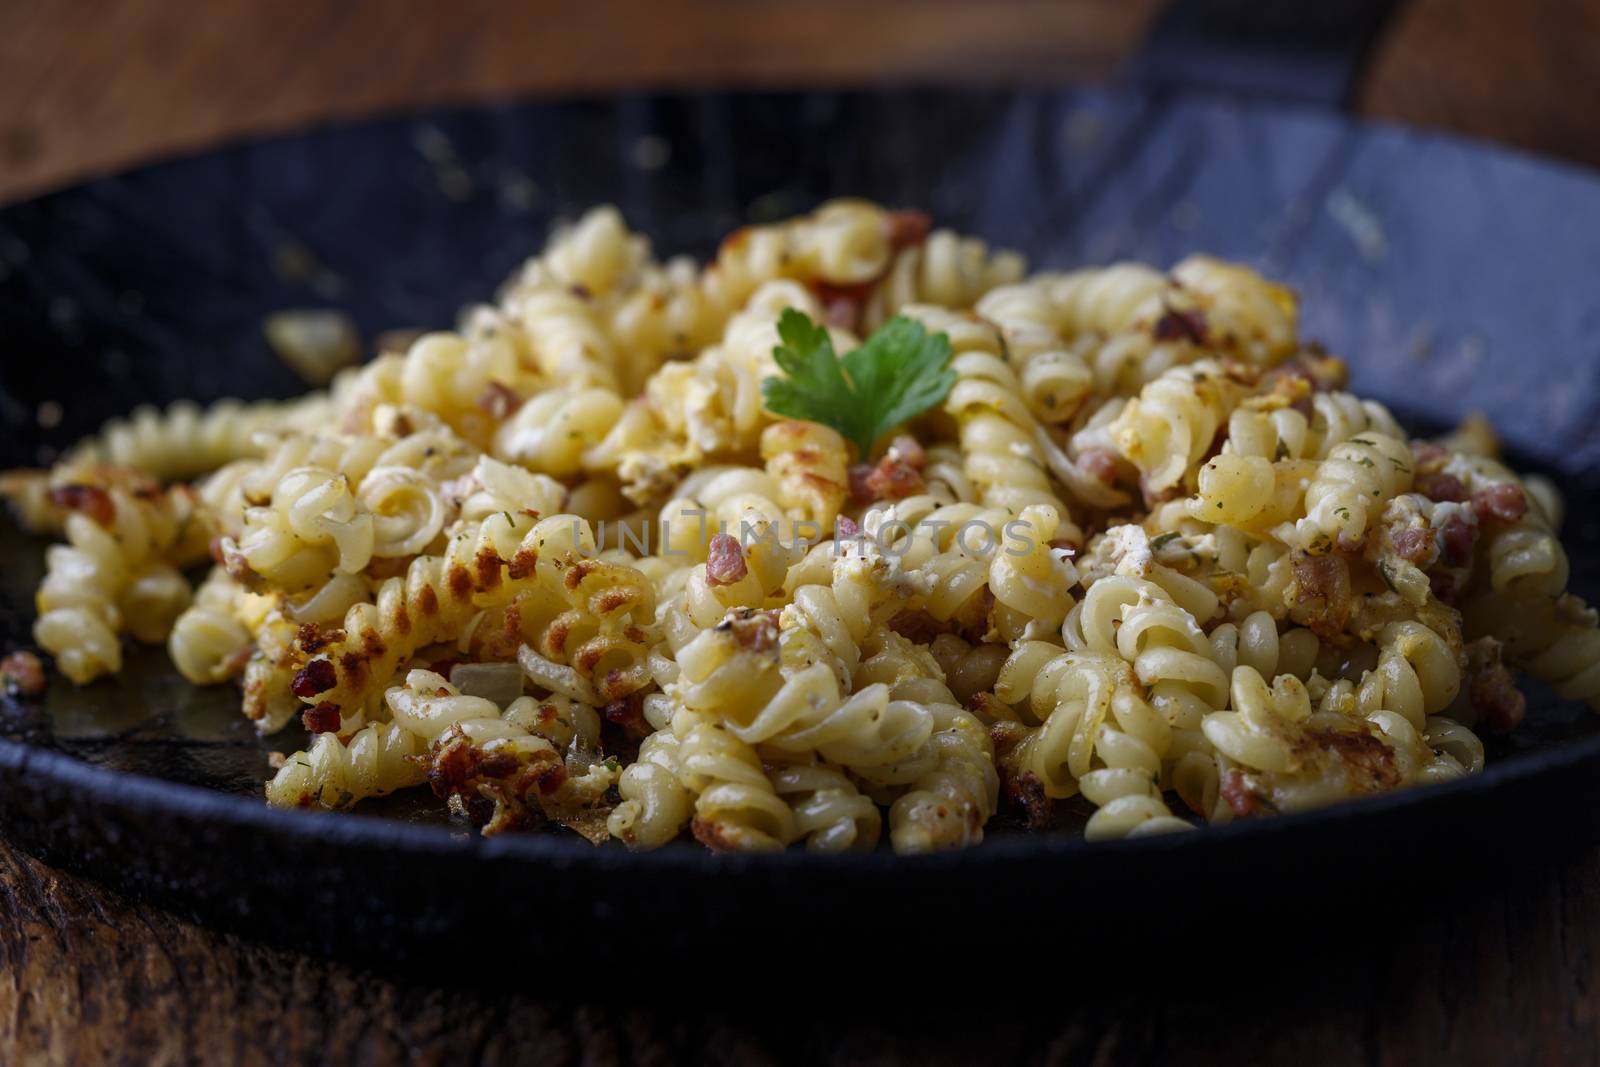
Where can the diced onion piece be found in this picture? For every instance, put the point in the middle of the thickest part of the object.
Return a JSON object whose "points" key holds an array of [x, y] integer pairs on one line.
{"points": [[497, 682], [315, 343]]}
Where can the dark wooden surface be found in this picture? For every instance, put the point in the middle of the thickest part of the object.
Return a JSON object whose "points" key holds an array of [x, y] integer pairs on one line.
{"points": [[1500, 972], [1493, 972], [85, 88]]}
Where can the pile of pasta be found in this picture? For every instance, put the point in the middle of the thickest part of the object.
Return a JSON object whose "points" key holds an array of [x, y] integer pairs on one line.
{"points": [[1146, 564]]}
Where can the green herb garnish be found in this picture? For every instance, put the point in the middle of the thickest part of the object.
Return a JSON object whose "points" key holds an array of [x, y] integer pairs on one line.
{"points": [[901, 371]]}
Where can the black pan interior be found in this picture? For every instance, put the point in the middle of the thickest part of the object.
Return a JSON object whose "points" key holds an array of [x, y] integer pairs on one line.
{"points": [[1451, 276]]}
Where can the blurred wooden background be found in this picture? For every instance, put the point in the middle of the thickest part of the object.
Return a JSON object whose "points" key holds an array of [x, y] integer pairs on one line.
{"points": [[86, 87]]}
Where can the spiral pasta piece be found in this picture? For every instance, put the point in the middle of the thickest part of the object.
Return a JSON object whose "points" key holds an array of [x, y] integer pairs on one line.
{"points": [[947, 806], [736, 808], [1556, 641], [209, 643], [378, 759], [116, 573], [656, 805], [186, 440], [1170, 425], [946, 269], [1350, 488], [1279, 755], [1008, 455], [830, 814]]}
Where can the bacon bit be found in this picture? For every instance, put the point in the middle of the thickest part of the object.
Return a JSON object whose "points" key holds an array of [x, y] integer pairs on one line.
{"points": [[713, 836], [906, 228], [1237, 792], [860, 492], [1493, 691], [725, 563], [1323, 586], [627, 712], [322, 719], [1028, 792], [581, 291], [315, 677], [841, 314], [1368, 758], [1412, 544], [498, 764], [1456, 538], [21, 674], [1099, 465], [842, 304], [550, 777], [891, 479], [908, 450], [1442, 487], [918, 626], [990, 706], [754, 630], [1504, 502], [237, 566], [1427, 457], [454, 759], [312, 638], [1177, 324], [88, 500], [479, 809], [846, 527], [499, 401]]}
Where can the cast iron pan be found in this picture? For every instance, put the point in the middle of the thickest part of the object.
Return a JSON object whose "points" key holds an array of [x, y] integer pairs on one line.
{"points": [[1450, 275]]}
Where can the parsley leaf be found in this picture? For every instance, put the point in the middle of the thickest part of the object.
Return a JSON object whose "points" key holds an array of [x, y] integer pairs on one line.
{"points": [[901, 371]]}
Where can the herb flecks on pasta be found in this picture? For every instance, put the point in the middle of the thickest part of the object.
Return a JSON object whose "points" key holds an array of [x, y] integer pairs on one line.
{"points": [[633, 550]]}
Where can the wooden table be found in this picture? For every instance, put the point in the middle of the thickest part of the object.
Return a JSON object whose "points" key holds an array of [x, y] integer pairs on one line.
{"points": [[1500, 971]]}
